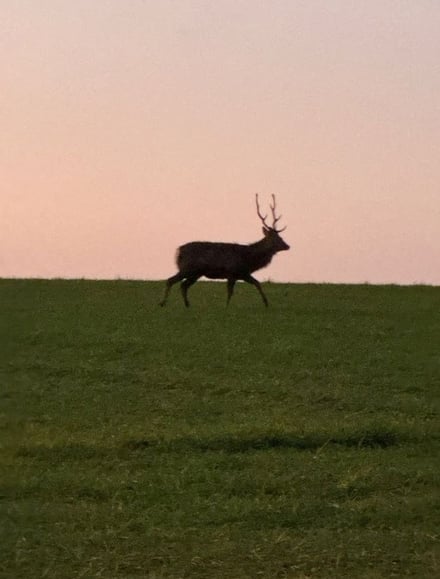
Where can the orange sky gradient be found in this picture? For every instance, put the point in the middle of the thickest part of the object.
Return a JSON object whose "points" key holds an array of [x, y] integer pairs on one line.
{"points": [[130, 127]]}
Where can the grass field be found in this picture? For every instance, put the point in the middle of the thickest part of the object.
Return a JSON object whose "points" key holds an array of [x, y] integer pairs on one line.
{"points": [[298, 441]]}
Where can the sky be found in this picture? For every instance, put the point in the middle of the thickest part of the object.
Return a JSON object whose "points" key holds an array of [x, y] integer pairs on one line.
{"points": [[129, 127]]}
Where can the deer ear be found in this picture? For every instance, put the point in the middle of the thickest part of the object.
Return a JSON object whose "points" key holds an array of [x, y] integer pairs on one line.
{"points": [[265, 231]]}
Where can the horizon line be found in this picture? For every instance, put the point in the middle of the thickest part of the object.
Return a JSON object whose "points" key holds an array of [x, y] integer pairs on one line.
{"points": [[269, 281]]}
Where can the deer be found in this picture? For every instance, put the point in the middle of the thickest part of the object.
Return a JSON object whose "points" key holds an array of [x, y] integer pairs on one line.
{"points": [[230, 261]]}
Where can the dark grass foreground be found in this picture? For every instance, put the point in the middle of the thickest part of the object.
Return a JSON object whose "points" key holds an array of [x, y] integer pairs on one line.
{"points": [[299, 441]]}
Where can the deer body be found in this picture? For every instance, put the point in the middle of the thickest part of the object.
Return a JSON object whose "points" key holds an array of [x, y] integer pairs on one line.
{"points": [[230, 261], [223, 260]]}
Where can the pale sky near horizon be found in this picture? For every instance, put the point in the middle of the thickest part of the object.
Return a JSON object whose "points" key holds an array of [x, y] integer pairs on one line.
{"points": [[129, 127]]}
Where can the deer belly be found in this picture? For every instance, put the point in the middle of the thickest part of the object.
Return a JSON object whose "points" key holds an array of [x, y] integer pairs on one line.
{"points": [[217, 274]]}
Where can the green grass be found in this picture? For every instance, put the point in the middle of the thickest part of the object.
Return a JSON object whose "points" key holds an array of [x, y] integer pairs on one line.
{"points": [[298, 441]]}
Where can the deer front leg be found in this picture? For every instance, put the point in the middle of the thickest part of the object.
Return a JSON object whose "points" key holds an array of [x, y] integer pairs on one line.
{"points": [[257, 284]]}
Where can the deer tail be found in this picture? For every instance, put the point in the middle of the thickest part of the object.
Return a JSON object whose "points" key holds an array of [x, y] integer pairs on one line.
{"points": [[178, 255]]}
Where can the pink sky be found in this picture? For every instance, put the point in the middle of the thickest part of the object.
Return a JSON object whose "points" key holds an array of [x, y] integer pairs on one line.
{"points": [[130, 127]]}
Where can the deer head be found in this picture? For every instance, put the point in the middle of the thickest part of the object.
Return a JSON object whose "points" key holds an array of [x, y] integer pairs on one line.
{"points": [[271, 233]]}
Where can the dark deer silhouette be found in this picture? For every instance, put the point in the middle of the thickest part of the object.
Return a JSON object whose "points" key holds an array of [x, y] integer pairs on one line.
{"points": [[230, 261]]}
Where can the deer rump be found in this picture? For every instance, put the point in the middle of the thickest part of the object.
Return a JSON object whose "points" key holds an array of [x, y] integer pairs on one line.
{"points": [[219, 260]]}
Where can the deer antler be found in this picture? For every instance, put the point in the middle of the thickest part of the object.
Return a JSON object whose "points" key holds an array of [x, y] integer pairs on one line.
{"points": [[263, 219], [275, 218]]}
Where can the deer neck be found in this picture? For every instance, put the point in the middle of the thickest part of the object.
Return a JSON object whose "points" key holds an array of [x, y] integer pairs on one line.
{"points": [[262, 252], [263, 246]]}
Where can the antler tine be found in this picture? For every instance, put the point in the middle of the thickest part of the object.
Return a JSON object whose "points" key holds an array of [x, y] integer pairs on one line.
{"points": [[275, 218], [263, 219], [272, 208]]}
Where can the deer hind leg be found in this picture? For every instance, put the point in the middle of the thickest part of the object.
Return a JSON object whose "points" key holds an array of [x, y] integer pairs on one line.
{"points": [[231, 284], [169, 284], [257, 284], [185, 285]]}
